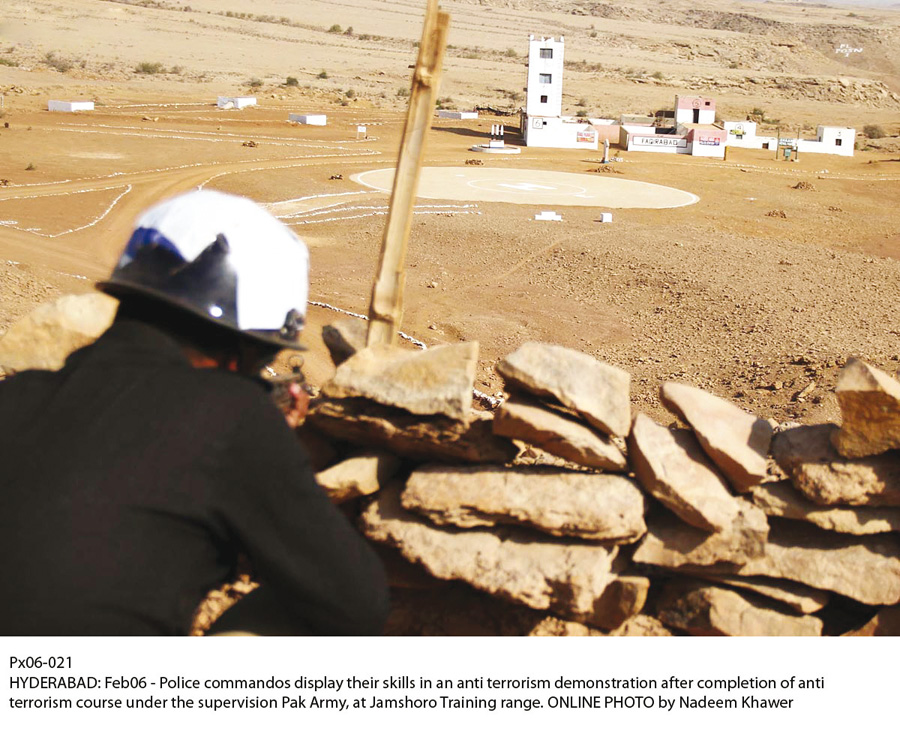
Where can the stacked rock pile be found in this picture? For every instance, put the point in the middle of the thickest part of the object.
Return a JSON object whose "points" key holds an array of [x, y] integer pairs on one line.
{"points": [[724, 526], [563, 513]]}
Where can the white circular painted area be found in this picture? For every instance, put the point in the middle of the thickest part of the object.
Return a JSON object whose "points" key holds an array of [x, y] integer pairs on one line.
{"points": [[534, 187]]}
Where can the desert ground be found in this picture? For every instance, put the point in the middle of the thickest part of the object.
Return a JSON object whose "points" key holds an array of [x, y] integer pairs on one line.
{"points": [[758, 291]]}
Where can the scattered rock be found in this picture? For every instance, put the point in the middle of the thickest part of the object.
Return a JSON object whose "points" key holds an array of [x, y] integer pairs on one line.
{"points": [[344, 338], [670, 543], [430, 382], [804, 186], [777, 213], [358, 475], [808, 457], [45, 337], [870, 408], [558, 435], [592, 506], [430, 438], [673, 468], [735, 440], [701, 609], [640, 625], [780, 499], [598, 391], [568, 579]]}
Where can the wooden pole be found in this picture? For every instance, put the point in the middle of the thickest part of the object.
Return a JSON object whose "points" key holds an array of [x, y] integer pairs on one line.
{"points": [[386, 306]]}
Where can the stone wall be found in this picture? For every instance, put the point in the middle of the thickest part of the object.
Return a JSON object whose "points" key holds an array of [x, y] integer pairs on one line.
{"points": [[563, 513]]}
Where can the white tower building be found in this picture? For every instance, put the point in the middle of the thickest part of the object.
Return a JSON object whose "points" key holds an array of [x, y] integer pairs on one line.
{"points": [[545, 74], [543, 124]]}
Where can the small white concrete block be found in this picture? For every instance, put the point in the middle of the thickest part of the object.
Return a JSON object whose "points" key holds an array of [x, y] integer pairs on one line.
{"points": [[56, 105], [320, 120], [548, 217], [606, 217]]}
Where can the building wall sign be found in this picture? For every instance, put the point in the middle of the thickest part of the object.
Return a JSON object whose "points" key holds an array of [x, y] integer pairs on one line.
{"points": [[710, 141], [586, 136], [661, 142]]}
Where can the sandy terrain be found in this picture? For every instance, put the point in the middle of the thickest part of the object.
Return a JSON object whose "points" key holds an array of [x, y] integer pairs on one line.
{"points": [[717, 293]]}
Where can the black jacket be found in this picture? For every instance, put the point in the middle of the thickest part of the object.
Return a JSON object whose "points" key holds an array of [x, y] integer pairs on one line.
{"points": [[129, 483]]}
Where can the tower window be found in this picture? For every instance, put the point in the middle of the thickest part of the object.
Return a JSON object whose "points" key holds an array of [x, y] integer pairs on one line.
{"points": [[545, 78], [546, 53], [837, 141], [543, 99]]}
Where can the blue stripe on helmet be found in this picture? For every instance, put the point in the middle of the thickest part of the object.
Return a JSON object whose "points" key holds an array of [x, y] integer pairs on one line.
{"points": [[147, 237]]}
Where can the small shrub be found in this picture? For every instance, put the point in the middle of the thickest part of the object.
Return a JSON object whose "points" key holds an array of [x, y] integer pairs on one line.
{"points": [[335, 29], [758, 112], [510, 53], [255, 83], [149, 67], [874, 131], [322, 74], [593, 34], [31, 167], [55, 62], [7, 62], [350, 94], [349, 31], [403, 92], [658, 75], [292, 81]]}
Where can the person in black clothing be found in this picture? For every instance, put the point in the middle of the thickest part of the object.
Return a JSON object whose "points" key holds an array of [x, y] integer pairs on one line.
{"points": [[133, 479]]}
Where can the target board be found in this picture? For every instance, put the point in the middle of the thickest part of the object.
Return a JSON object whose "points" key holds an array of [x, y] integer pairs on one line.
{"points": [[515, 186]]}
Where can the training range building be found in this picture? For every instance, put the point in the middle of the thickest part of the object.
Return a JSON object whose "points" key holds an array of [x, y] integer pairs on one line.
{"points": [[831, 140], [542, 121], [694, 131]]}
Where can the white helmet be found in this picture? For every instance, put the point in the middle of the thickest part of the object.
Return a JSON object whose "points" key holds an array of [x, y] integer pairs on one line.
{"points": [[223, 258]]}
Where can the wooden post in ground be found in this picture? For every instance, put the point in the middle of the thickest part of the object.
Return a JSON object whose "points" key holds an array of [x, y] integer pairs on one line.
{"points": [[386, 306]]}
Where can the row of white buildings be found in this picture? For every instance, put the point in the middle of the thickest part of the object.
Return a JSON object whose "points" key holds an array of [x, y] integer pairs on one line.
{"points": [[692, 129]]}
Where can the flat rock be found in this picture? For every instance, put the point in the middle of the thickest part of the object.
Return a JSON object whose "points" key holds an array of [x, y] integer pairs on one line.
{"points": [[598, 391], [358, 475], [430, 382], [673, 468], [865, 569], [430, 438], [799, 597], [564, 437], [701, 609], [48, 335], [344, 338], [737, 442], [808, 457], [780, 499], [671, 543], [569, 579], [870, 411], [604, 507]]}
